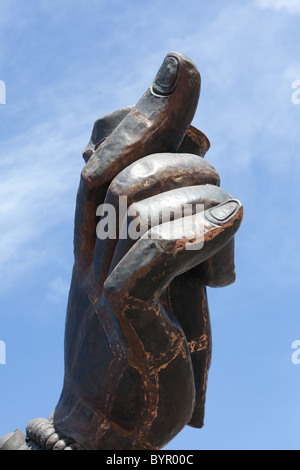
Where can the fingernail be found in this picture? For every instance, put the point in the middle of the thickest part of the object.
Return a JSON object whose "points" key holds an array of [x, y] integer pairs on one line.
{"points": [[166, 77], [222, 213], [87, 155]]}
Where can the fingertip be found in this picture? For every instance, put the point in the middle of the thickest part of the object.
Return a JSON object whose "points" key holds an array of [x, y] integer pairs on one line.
{"points": [[86, 154], [224, 212], [175, 70]]}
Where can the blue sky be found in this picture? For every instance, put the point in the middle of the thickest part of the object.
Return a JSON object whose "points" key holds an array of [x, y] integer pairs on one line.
{"points": [[67, 63]]}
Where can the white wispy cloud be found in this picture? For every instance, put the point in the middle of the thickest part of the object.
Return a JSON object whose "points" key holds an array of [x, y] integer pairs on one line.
{"points": [[36, 182], [290, 6]]}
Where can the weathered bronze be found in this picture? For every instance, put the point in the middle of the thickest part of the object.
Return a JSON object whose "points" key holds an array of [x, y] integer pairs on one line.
{"points": [[137, 334]]}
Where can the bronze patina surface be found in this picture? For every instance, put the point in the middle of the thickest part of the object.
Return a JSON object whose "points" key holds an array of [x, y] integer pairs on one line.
{"points": [[137, 333]]}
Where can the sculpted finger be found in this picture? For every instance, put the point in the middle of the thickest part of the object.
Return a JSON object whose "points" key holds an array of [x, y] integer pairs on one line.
{"points": [[161, 208], [173, 248], [158, 122], [161, 172], [103, 127], [194, 140], [142, 179]]}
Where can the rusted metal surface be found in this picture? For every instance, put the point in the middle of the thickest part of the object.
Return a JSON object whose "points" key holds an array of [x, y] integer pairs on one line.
{"points": [[137, 335]]}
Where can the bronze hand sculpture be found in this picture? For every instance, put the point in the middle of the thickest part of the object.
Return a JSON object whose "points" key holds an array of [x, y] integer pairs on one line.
{"points": [[137, 335]]}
